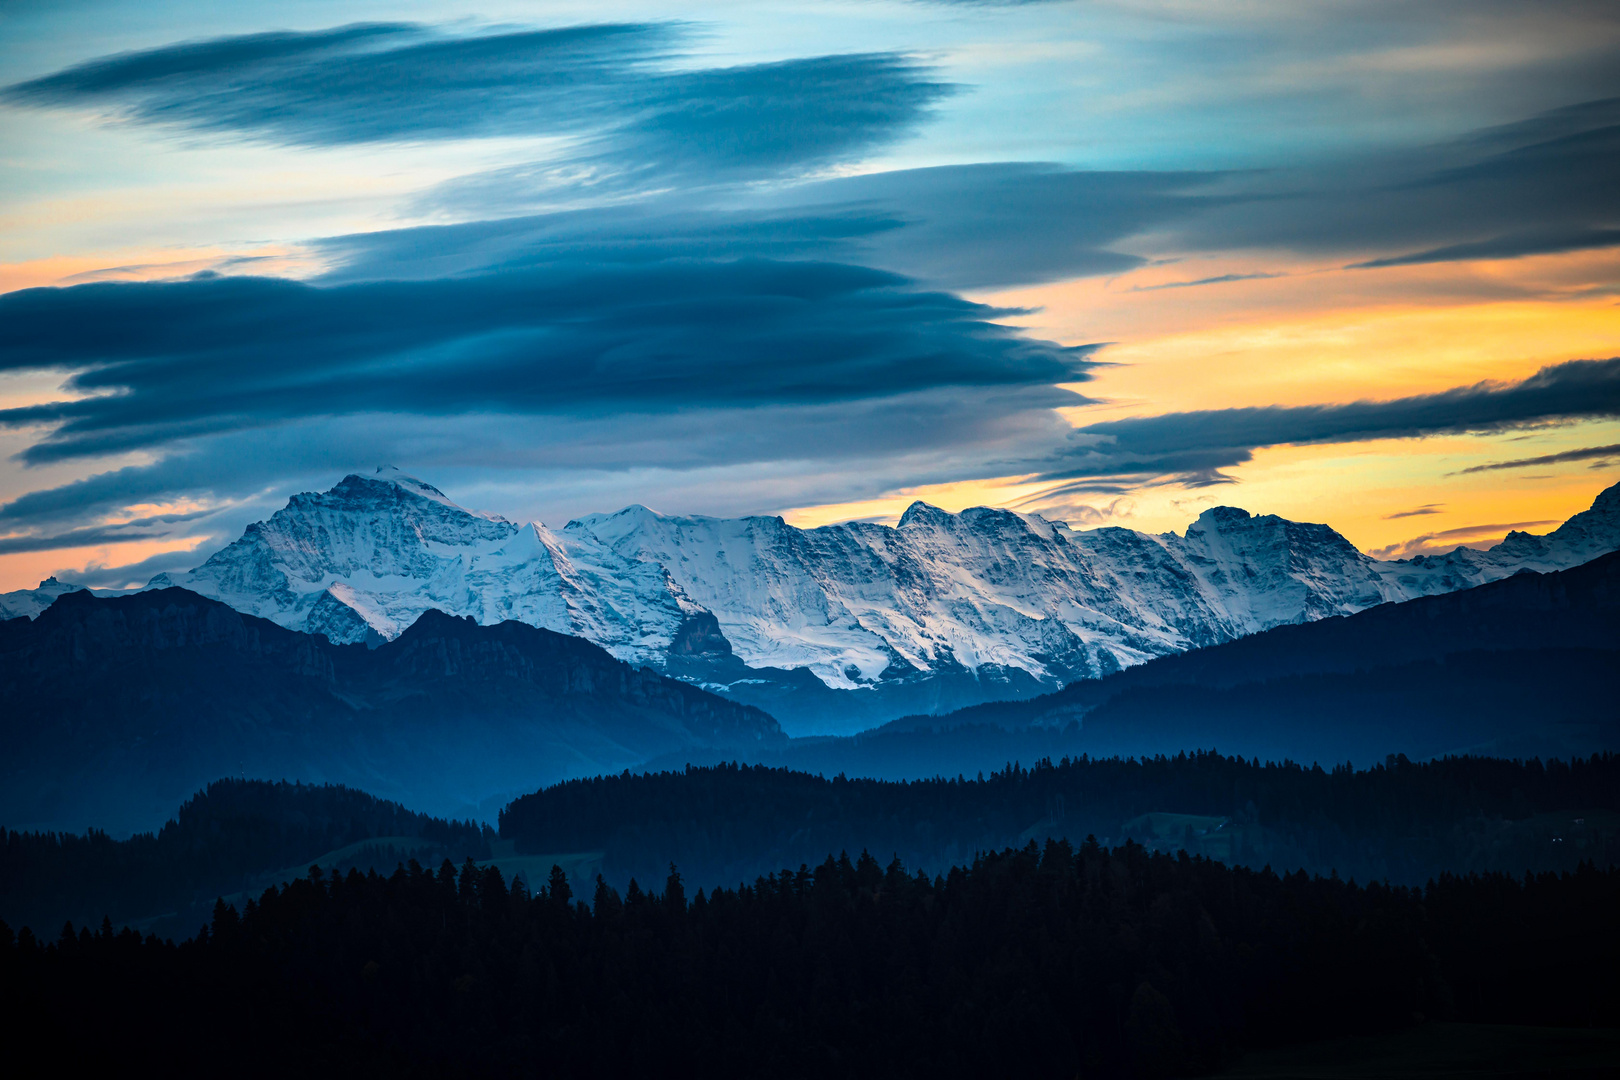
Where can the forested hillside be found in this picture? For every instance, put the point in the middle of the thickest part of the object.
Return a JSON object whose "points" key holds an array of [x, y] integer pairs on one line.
{"points": [[1401, 821], [223, 840]]}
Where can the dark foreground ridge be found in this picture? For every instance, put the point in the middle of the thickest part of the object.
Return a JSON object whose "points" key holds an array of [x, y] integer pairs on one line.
{"points": [[1030, 962], [235, 836], [117, 709], [1398, 821]]}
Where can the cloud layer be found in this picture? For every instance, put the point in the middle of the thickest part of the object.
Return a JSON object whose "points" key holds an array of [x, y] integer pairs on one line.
{"points": [[634, 119], [682, 281], [163, 362], [1548, 184], [637, 116], [1195, 446], [367, 83]]}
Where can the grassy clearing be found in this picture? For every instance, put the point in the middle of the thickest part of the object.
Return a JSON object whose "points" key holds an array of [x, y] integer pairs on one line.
{"points": [[535, 870]]}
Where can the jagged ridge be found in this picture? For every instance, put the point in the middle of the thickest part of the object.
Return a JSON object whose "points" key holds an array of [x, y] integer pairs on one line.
{"points": [[995, 603]]}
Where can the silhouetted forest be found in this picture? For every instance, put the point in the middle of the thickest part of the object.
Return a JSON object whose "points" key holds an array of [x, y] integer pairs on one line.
{"points": [[221, 841], [1400, 821], [1051, 962]]}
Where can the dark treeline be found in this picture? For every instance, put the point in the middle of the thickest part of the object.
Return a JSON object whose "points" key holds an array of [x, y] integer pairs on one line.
{"points": [[221, 841], [1402, 822], [1043, 963]]}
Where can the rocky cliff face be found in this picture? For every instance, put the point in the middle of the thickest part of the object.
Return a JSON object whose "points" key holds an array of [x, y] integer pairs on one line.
{"points": [[938, 612]]}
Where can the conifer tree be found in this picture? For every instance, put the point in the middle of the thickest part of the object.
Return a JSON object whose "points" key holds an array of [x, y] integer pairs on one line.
{"points": [[557, 888]]}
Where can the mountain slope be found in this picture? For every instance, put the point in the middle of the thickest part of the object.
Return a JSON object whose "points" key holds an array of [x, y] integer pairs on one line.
{"points": [[119, 708], [1527, 665], [842, 627]]}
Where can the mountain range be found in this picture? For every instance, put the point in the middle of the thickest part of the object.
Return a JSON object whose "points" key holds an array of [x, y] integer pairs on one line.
{"points": [[116, 704], [119, 708], [1523, 667], [833, 629], [1526, 667]]}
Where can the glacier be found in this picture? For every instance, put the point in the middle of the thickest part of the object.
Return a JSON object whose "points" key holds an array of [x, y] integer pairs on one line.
{"points": [[991, 603]]}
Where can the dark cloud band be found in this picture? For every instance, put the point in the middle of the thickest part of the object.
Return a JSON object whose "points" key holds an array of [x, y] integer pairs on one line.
{"points": [[178, 360], [1546, 185], [366, 83], [1196, 445], [609, 87], [1503, 247]]}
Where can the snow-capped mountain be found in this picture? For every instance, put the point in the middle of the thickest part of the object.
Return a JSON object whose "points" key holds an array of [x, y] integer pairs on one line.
{"points": [[364, 560], [990, 603], [28, 603]]}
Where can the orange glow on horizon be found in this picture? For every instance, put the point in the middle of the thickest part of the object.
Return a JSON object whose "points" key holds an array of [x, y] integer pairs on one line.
{"points": [[1324, 335], [25, 570], [145, 264]]}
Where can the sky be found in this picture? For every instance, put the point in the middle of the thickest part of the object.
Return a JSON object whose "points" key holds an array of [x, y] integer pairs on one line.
{"points": [[1110, 261]]}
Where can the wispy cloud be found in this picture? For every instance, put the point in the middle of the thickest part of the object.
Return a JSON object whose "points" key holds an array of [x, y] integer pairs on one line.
{"points": [[1219, 280], [1584, 454], [957, 226], [1195, 446], [112, 532], [1438, 542], [102, 576], [368, 82], [75, 538], [1545, 185], [1503, 247], [1428, 508], [635, 119]]}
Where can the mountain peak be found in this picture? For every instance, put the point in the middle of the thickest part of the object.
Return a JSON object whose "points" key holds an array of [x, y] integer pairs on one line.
{"points": [[921, 512], [387, 479], [436, 623], [637, 510], [1224, 515], [617, 525], [389, 475], [1591, 532]]}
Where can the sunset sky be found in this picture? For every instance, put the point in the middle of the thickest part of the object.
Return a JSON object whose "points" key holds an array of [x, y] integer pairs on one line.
{"points": [[1112, 262]]}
